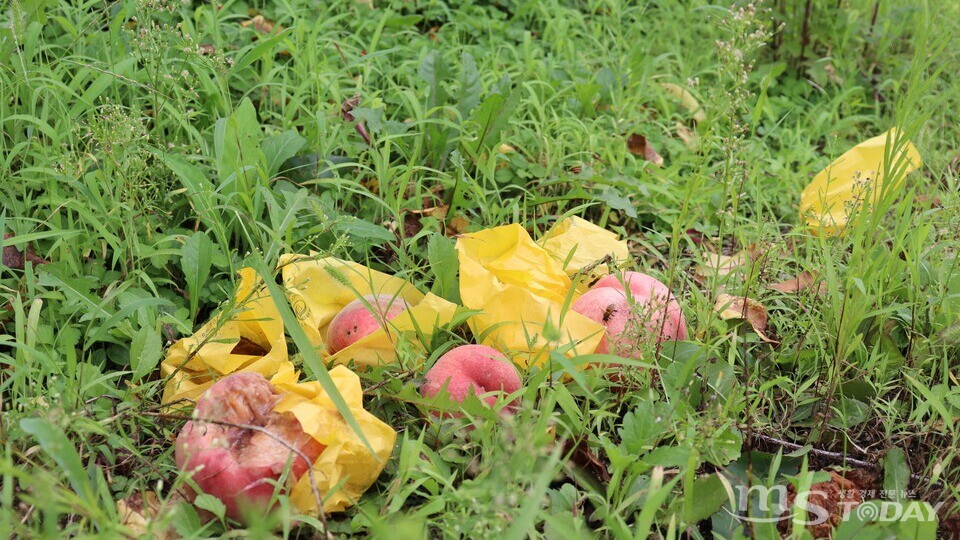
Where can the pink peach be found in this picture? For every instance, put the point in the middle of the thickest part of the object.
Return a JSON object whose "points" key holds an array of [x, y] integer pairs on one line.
{"points": [[362, 317], [239, 465], [476, 369], [652, 292]]}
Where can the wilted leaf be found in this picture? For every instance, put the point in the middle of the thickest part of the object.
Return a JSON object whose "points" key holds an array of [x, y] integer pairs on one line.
{"points": [[687, 101], [722, 265], [688, 136], [855, 181], [261, 24], [438, 212], [14, 258], [457, 225], [581, 455], [137, 511], [639, 146], [804, 280], [346, 109], [748, 309]]}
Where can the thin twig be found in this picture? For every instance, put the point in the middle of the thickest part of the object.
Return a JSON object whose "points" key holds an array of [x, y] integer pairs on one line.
{"points": [[836, 456]]}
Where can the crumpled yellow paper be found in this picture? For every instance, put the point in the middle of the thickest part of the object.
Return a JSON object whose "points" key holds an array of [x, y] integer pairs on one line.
{"points": [[576, 244], [346, 458], [854, 180], [519, 287], [318, 288], [251, 340]]}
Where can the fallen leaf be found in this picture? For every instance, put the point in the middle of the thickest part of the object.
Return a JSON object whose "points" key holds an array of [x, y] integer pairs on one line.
{"points": [[261, 24], [639, 146], [748, 309], [687, 101], [804, 280], [138, 511], [855, 181], [438, 212], [688, 136], [721, 265], [457, 225], [581, 455], [16, 259], [346, 109]]}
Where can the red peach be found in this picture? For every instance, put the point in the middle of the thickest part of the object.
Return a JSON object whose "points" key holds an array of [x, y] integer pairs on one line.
{"points": [[476, 369], [239, 465], [629, 319], [652, 292], [361, 318]]}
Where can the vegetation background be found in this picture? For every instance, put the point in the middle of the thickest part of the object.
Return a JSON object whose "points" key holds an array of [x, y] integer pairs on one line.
{"points": [[150, 148]]}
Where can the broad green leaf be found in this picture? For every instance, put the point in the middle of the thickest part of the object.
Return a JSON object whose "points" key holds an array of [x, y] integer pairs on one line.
{"points": [[257, 51], [195, 261], [445, 265], [146, 349], [365, 232], [215, 506], [55, 443], [240, 159], [492, 117], [896, 473], [433, 71], [724, 447], [279, 148], [709, 495], [470, 85], [643, 426]]}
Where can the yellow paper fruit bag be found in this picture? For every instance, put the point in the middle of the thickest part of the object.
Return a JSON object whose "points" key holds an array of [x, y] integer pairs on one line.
{"points": [[577, 244], [248, 337], [855, 180], [318, 288], [519, 287], [346, 460]]}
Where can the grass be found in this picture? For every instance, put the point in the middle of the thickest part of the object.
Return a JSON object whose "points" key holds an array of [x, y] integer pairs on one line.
{"points": [[151, 148]]}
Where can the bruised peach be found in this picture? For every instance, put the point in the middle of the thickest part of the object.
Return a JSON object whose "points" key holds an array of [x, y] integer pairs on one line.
{"points": [[236, 464], [657, 299], [476, 369], [362, 317], [630, 317]]}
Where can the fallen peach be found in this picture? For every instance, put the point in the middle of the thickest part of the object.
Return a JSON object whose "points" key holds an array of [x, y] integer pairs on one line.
{"points": [[476, 369], [657, 298], [630, 317], [361, 318], [236, 464]]}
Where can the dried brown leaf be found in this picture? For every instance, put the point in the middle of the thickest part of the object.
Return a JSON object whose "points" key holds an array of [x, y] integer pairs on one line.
{"points": [[748, 309], [586, 459], [804, 280], [722, 265], [457, 225], [261, 24], [639, 146], [138, 511], [16, 259], [687, 101], [346, 109], [688, 136]]}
